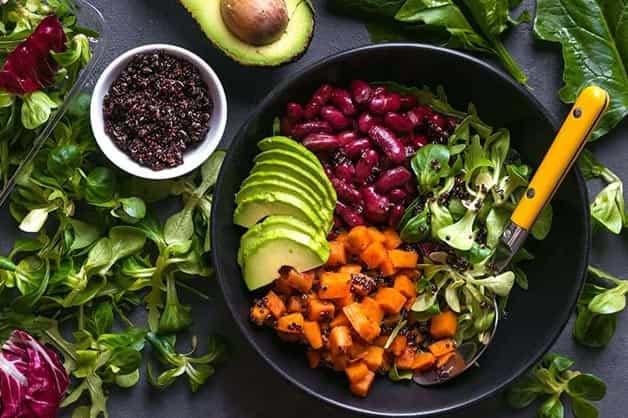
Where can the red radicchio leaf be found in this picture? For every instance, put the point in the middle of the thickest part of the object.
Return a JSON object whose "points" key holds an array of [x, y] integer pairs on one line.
{"points": [[30, 67], [32, 379]]}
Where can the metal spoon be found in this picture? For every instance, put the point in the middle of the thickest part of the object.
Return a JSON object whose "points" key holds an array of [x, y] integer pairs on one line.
{"points": [[569, 142]]}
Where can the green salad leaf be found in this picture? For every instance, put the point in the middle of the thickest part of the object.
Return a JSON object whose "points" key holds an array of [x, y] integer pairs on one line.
{"points": [[594, 50]]}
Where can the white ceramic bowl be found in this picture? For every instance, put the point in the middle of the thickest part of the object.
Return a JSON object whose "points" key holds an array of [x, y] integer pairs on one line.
{"points": [[193, 156]]}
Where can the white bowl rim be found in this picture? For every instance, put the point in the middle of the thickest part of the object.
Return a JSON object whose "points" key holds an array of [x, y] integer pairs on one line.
{"points": [[194, 156]]}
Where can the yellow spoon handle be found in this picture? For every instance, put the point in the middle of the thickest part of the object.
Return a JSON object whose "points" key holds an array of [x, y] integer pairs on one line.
{"points": [[569, 141]]}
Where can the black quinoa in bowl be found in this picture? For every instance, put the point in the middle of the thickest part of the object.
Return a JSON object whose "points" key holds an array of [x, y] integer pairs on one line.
{"points": [[157, 107]]}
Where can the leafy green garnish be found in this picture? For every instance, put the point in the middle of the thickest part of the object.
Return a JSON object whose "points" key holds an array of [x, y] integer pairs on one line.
{"points": [[552, 379], [593, 38]]}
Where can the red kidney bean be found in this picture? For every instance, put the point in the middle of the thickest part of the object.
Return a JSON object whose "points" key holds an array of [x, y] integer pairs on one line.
{"points": [[294, 111], [342, 100], [317, 101], [419, 140], [335, 117], [395, 215], [361, 91], [379, 90], [385, 102], [376, 206], [328, 170], [311, 127], [338, 223], [392, 178], [398, 123], [408, 101], [366, 121], [385, 139], [366, 165], [410, 187], [356, 148], [345, 171], [418, 115], [351, 217], [397, 195], [346, 137], [437, 120], [321, 142], [346, 192], [286, 126]]}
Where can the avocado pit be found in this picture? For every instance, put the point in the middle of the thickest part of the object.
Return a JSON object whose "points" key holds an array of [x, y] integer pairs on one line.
{"points": [[255, 22]]}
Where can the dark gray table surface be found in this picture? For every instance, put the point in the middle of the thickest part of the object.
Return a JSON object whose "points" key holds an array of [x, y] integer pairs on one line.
{"points": [[246, 387]]}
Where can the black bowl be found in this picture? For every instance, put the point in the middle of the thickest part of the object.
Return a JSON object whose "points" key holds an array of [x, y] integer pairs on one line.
{"points": [[535, 318]]}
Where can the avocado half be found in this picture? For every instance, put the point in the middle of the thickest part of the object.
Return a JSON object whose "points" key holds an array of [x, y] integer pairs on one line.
{"points": [[290, 46]]}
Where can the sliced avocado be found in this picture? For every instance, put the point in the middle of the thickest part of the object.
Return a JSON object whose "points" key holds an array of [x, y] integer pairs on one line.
{"points": [[289, 169], [298, 159], [283, 142], [250, 239], [255, 208], [281, 247], [288, 47], [252, 188], [319, 196]]}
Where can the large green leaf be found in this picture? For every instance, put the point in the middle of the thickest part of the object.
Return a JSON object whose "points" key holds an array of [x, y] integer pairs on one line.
{"points": [[590, 52]]}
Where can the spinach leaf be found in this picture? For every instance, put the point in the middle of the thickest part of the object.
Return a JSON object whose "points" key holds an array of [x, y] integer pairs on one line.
{"points": [[608, 208], [430, 164], [543, 224], [590, 53], [36, 109]]}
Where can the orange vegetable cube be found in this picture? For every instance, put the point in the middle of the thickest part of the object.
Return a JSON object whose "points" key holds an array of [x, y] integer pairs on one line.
{"points": [[334, 285], [406, 359], [405, 286], [342, 302], [313, 358], [362, 387], [365, 328], [374, 357], [259, 314], [390, 300], [423, 361], [295, 304], [444, 325], [356, 371], [358, 239], [442, 347], [300, 281], [340, 340], [372, 310], [404, 259], [350, 268], [337, 255], [274, 304], [391, 239], [387, 268], [312, 332], [398, 345], [319, 310], [442, 360], [340, 319], [375, 234], [374, 254], [380, 341], [291, 323]]}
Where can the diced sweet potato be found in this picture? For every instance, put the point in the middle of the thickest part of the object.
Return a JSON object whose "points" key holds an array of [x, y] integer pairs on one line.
{"points": [[398, 345], [358, 350], [380, 341], [386, 268], [362, 387], [337, 255], [291, 323], [342, 302], [405, 286], [444, 325], [442, 360], [442, 347], [313, 358], [374, 357], [319, 310], [374, 255], [259, 314], [350, 268], [356, 371], [423, 361], [372, 310], [274, 304], [364, 327], [340, 319], [295, 304], [390, 300], [300, 281], [403, 259], [375, 234], [406, 359], [391, 239], [334, 285], [340, 340], [312, 332], [358, 239], [281, 286]]}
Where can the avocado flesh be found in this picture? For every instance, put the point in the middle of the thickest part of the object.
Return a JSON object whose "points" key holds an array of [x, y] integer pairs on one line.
{"points": [[296, 158], [289, 169], [288, 47], [252, 188], [251, 238], [295, 181], [277, 248], [285, 143], [255, 208]]}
